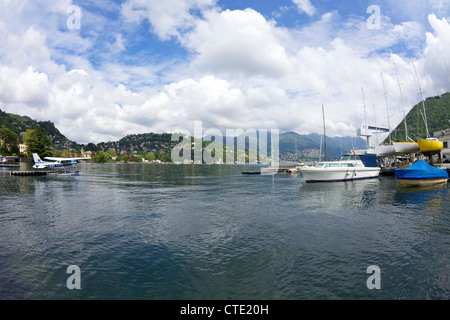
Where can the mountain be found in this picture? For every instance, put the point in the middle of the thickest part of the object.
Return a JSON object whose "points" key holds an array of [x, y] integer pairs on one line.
{"points": [[293, 146], [296, 146], [438, 116], [20, 124]]}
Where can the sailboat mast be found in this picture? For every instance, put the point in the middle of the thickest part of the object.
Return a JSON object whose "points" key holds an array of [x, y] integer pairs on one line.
{"points": [[387, 108], [423, 100], [324, 135], [374, 115], [403, 105], [365, 119], [320, 152]]}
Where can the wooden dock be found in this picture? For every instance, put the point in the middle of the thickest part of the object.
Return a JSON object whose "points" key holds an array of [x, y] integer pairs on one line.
{"points": [[30, 173], [43, 173]]}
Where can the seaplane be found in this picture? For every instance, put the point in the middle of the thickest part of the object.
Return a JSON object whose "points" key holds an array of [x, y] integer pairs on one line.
{"points": [[55, 162]]}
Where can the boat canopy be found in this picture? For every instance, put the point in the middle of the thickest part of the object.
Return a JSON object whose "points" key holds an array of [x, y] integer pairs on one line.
{"points": [[421, 170], [369, 160]]}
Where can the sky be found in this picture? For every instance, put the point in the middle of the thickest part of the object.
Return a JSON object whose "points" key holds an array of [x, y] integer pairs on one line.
{"points": [[103, 69]]}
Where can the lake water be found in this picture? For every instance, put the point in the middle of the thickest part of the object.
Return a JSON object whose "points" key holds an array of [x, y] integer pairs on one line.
{"points": [[182, 232]]}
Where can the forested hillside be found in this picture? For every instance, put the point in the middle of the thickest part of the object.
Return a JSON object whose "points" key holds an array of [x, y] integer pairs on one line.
{"points": [[20, 124], [437, 113]]}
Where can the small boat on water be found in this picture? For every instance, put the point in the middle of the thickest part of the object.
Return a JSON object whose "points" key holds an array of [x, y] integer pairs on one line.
{"points": [[269, 170], [421, 174], [7, 162], [281, 167], [350, 167]]}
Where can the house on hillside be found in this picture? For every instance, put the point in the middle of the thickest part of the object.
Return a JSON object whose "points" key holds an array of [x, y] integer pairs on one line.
{"points": [[87, 154], [22, 148], [444, 136]]}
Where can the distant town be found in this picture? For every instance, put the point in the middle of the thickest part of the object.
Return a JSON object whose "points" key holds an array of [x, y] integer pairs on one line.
{"points": [[21, 136]]}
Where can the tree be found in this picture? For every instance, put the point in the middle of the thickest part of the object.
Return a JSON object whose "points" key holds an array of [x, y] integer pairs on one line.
{"points": [[10, 142], [65, 153], [150, 156], [100, 157], [38, 142], [166, 158], [26, 136], [111, 153]]}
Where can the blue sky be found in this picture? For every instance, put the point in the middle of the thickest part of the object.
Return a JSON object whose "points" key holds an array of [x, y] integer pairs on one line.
{"points": [[137, 66]]}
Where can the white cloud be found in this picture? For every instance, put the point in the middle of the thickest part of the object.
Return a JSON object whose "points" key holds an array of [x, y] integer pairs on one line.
{"points": [[119, 44], [305, 6], [334, 73], [437, 54], [168, 18], [440, 6], [366, 41], [19, 87], [355, 33], [28, 49], [238, 42]]}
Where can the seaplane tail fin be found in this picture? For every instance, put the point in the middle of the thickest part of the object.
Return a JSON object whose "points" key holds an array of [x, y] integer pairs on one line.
{"points": [[36, 158]]}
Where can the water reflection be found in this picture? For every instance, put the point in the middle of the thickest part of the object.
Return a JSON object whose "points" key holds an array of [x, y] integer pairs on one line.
{"points": [[342, 194], [193, 231], [429, 199]]}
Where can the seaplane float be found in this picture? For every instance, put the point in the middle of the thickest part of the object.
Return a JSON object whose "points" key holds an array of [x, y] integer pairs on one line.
{"points": [[57, 163]]}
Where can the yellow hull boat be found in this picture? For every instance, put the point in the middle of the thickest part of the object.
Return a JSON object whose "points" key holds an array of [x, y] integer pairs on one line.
{"points": [[430, 146]]}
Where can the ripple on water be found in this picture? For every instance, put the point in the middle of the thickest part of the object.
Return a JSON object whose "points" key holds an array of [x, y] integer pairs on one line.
{"points": [[142, 231]]}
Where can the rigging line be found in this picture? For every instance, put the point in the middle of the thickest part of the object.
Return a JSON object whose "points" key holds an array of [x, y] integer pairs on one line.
{"points": [[424, 115], [403, 105], [365, 118], [324, 135], [387, 107], [374, 114]]}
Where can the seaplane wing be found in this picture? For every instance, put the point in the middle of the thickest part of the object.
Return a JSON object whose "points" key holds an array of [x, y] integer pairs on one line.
{"points": [[66, 159]]}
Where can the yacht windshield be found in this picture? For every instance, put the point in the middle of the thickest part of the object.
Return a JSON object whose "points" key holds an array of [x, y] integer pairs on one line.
{"points": [[347, 165], [334, 165], [347, 158]]}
